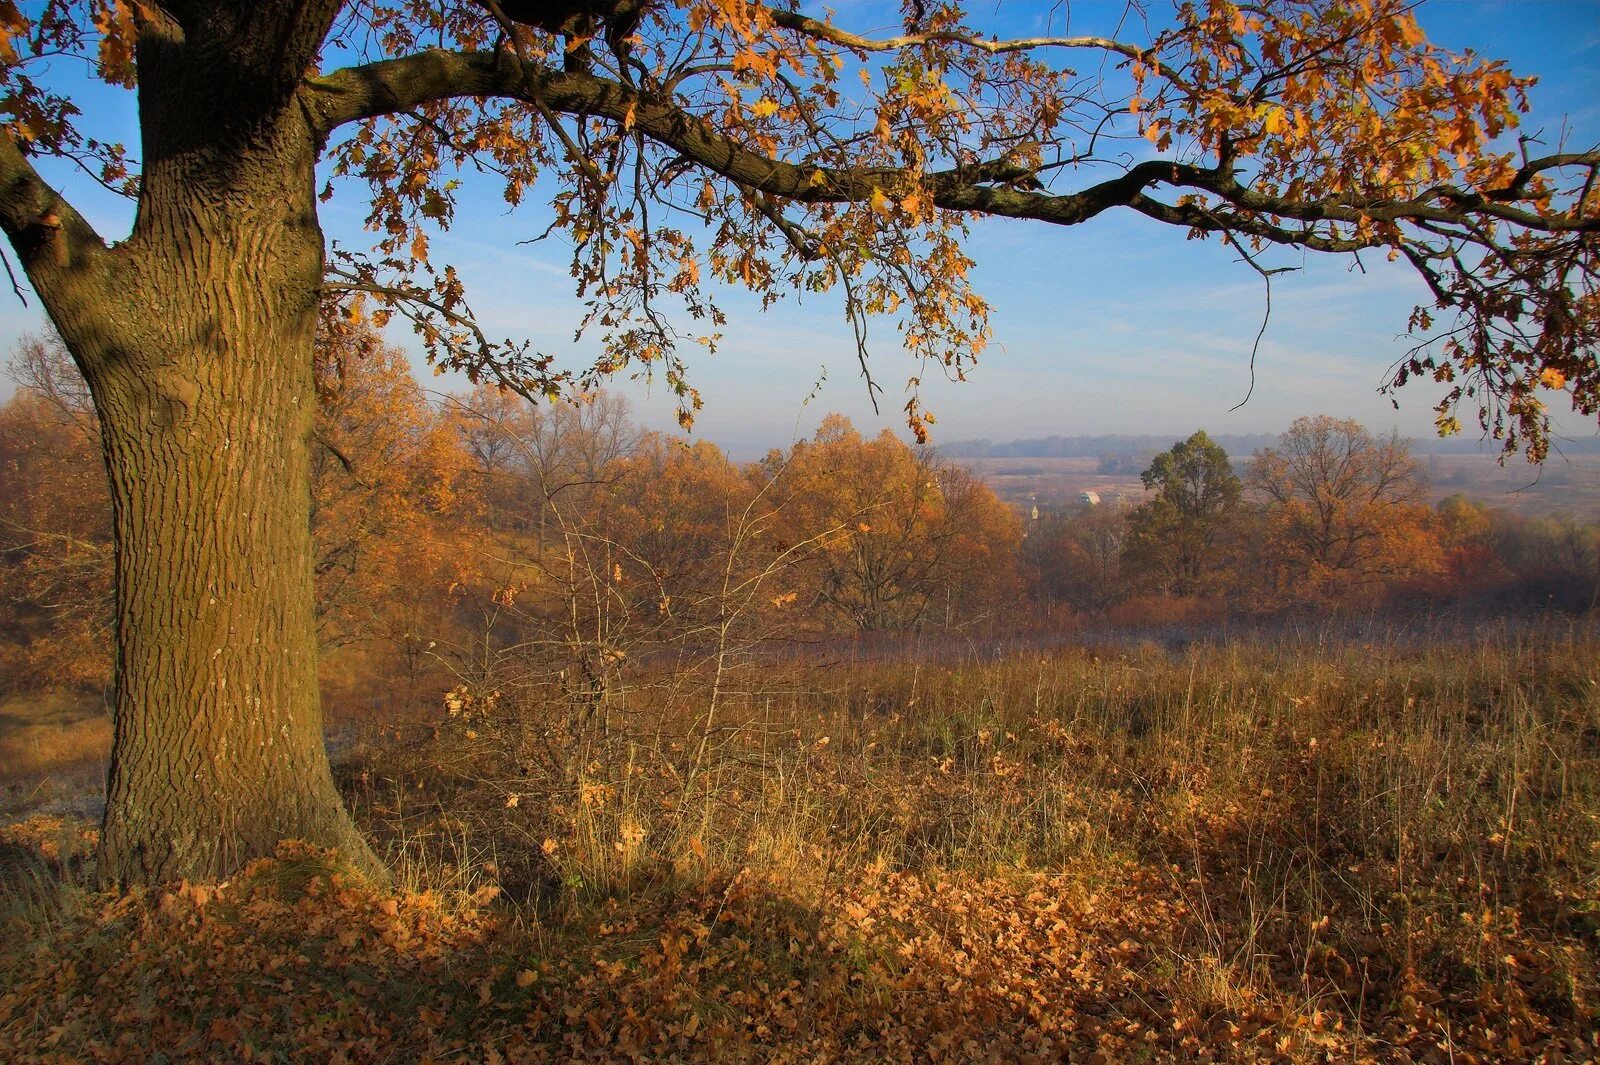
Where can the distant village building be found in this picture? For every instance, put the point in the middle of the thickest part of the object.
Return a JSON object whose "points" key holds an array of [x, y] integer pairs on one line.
{"points": [[1089, 499]]}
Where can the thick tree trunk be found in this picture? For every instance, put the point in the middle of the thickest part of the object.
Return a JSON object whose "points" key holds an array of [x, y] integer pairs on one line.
{"points": [[218, 751], [206, 404]]}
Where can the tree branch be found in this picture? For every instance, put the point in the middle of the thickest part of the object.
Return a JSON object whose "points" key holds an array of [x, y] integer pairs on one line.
{"points": [[375, 89], [818, 30], [1518, 314], [61, 253]]}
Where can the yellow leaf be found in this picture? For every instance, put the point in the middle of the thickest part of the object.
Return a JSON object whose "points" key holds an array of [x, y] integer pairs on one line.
{"points": [[1277, 121], [1553, 378], [764, 108], [881, 203]]}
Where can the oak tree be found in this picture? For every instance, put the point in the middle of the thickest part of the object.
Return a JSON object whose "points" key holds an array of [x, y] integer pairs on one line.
{"points": [[903, 537], [680, 143], [388, 521], [1342, 511]]}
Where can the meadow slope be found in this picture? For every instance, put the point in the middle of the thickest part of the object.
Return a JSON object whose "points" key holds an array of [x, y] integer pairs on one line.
{"points": [[1261, 851]]}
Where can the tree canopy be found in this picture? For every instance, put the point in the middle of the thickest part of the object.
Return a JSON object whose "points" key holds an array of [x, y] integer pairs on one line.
{"points": [[695, 141], [1179, 533], [1343, 509]]}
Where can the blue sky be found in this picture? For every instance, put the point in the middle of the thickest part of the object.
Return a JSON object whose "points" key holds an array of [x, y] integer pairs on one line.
{"points": [[1117, 326]]}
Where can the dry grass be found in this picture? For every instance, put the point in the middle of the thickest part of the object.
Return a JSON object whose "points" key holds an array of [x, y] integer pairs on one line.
{"points": [[53, 749], [1300, 852]]}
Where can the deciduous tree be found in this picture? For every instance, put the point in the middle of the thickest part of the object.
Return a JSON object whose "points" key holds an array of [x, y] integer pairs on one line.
{"points": [[1078, 557], [391, 530], [55, 527], [530, 460], [906, 538], [1178, 538], [1342, 510], [1334, 127], [1555, 560], [1469, 562], [393, 523]]}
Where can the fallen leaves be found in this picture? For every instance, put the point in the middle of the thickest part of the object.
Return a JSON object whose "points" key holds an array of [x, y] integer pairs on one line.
{"points": [[1229, 886]]}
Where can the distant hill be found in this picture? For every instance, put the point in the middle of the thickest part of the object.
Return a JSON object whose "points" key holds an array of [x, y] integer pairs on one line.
{"points": [[1093, 447], [1237, 445]]}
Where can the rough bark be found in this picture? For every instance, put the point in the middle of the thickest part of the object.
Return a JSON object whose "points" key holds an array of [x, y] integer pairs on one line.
{"points": [[196, 338], [207, 408]]}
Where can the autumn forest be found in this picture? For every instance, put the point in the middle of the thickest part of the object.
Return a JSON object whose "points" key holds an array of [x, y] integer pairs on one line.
{"points": [[376, 687], [481, 537]]}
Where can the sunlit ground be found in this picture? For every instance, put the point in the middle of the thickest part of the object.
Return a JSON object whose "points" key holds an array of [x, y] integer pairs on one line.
{"points": [[1302, 849]]}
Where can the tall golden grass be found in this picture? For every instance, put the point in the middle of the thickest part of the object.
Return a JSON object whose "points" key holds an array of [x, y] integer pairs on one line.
{"points": [[1344, 826], [1299, 849], [53, 748]]}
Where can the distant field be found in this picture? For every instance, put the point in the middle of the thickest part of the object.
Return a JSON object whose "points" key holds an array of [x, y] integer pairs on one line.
{"points": [[1051, 482], [1565, 485]]}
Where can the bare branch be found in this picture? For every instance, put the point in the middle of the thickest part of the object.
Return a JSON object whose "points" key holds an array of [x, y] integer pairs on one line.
{"points": [[818, 30]]}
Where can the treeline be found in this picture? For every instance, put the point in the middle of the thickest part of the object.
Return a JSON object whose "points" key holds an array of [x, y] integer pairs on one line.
{"points": [[506, 543], [555, 543], [1329, 516], [1116, 450], [1108, 447]]}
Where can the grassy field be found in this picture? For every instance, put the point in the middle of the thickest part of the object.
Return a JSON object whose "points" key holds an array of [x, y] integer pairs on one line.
{"points": [[1306, 850], [53, 750]]}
